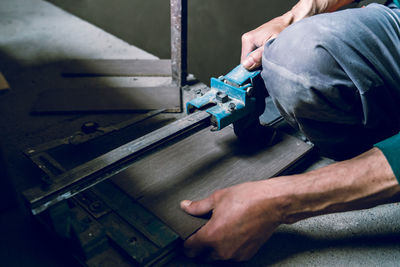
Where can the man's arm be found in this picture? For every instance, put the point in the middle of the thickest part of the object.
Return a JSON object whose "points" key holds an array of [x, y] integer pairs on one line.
{"points": [[255, 40], [245, 216]]}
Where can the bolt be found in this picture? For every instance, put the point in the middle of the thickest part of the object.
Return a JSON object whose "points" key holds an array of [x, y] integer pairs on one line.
{"points": [[96, 206], [75, 139], [89, 127], [221, 78], [214, 128], [221, 97], [250, 91], [132, 240], [214, 124], [231, 106]]}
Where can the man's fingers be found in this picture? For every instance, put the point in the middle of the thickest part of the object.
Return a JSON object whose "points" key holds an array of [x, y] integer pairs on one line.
{"points": [[246, 51], [253, 60], [196, 245], [247, 46], [197, 208]]}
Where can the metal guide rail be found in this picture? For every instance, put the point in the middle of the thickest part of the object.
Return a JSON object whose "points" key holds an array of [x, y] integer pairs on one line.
{"points": [[65, 184], [103, 224]]}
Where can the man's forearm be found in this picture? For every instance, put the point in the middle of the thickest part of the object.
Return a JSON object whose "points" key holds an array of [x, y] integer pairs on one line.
{"points": [[362, 182], [253, 42], [308, 8], [244, 216]]}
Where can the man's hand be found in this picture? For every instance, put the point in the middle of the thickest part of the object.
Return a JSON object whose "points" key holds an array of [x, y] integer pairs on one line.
{"points": [[244, 216], [241, 221], [253, 42]]}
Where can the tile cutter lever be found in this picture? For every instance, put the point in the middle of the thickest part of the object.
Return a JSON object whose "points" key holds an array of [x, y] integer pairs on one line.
{"points": [[238, 98]]}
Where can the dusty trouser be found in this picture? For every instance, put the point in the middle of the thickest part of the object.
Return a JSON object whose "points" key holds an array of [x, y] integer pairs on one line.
{"points": [[336, 77]]}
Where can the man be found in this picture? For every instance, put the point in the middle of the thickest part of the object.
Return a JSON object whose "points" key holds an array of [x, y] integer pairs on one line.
{"points": [[335, 77]]}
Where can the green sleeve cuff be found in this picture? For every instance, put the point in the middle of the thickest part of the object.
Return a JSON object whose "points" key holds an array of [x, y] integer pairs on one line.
{"points": [[391, 149]]}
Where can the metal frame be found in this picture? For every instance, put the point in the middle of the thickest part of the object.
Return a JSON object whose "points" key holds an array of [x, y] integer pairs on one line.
{"points": [[179, 14], [179, 23], [85, 176], [70, 183]]}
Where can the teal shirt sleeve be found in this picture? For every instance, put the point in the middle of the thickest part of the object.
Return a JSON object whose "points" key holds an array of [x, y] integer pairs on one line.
{"points": [[391, 149]]}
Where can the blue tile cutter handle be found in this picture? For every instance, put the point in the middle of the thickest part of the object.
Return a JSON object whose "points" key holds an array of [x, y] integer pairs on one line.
{"points": [[238, 98]]}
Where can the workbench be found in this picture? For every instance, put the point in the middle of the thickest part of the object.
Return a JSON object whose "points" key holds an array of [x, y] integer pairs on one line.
{"points": [[32, 44]]}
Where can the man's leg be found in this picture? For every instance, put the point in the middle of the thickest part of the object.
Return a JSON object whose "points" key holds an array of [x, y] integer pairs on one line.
{"points": [[336, 77]]}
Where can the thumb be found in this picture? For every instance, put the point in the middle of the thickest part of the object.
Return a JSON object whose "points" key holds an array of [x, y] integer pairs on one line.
{"points": [[197, 208], [253, 60]]}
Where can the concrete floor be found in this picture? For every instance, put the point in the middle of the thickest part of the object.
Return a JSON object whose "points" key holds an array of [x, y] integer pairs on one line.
{"points": [[34, 35]]}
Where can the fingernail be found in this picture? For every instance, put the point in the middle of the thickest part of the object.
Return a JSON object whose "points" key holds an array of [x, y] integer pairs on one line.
{"points": [[185, 203], [248, 62]]}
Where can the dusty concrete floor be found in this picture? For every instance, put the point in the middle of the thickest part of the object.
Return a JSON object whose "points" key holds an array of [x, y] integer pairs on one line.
{"points": [[35, 34]]}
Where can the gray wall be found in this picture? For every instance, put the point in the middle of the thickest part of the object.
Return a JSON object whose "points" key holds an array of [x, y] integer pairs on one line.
{"points": [[215, 26]]}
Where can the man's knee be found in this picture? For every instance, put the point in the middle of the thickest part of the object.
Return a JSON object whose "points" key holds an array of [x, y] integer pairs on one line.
{"points": [[296, 66]]}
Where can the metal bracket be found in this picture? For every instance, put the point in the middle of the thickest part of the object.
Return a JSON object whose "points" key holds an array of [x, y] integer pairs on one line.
{"points": [[232, 97]]}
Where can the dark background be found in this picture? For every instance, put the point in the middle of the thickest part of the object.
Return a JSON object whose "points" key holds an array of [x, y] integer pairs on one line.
{"points": [[214, 30]]}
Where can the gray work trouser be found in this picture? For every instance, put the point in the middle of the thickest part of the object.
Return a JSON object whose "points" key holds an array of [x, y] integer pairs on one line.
{"points": [[336, 77]]}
